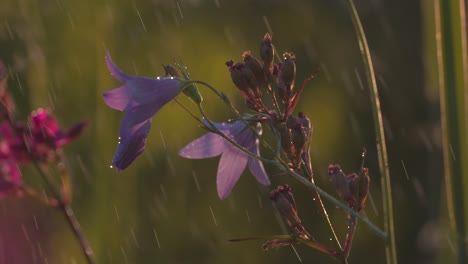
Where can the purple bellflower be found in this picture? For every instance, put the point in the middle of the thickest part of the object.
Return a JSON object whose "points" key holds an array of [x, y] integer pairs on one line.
{"points": [[140, 98], [233, 160]]}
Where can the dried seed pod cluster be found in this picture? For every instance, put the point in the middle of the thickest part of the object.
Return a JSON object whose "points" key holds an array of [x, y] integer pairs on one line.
{"points": [[352, 188]]}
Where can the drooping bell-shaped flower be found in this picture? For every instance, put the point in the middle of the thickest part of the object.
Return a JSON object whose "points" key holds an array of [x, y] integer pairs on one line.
{"points": [[233, 160], [140, 98]]}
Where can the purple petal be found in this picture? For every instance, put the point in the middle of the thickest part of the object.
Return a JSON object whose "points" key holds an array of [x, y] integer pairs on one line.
{"points": [[117, 98], [152, 91], [206, 146], [133, 134], [220, 126], [230, 168], [116, 72], [256, 166]]}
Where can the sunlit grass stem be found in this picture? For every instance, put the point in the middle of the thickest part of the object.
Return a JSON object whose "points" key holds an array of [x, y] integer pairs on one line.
{"points": [[452, 66], [380, 134]]}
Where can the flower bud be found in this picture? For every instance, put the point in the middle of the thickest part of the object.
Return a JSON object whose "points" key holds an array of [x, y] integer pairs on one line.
{"points": [[286, 141], [283, 200], [190, 91], [254, 65], [276, 243], [286, 76], [307, 125], [299, 138], [171, 71], [339, 179], [267, 54], [244, 79], [364, 185]]}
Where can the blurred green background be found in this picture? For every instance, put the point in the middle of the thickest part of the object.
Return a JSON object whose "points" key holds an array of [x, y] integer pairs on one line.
{"points": [[165, 209]]}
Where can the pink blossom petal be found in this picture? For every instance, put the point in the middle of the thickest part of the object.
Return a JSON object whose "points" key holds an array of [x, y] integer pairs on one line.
{"points": [[10, 176], [230, 168], [207, 146]]}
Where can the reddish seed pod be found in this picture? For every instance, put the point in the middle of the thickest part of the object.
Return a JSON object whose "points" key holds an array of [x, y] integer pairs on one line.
{"points": [[267, 54], [286, 76], [364, 185], [257, 69], [339, 179], [283, 200], [299, 137]]}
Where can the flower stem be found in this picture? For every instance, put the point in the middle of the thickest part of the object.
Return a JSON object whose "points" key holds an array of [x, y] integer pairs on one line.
{"points": [[452, 66], [379, 131], [75, 226], [352, 223], [318, 200], [333, 200]]}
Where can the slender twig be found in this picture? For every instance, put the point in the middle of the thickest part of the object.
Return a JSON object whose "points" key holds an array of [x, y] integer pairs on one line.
{"points": [[40, 197], [352, 223], [75, 226], [452, 62], [379, 131], [318, 200]]}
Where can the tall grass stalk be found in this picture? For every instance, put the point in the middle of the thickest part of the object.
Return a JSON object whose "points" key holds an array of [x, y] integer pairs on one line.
{"points": [[379, 132], [452, 66]]}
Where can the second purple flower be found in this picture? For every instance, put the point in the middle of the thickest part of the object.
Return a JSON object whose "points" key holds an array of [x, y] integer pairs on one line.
{"points": [[233, 160]]}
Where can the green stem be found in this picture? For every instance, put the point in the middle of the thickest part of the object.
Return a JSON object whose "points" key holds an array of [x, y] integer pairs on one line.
{"points": [[75, 226], [452, 56], [379, 131], [333, 200]]}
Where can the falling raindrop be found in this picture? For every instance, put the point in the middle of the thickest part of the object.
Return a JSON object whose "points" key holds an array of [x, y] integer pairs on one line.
{"points": [[141, 19], [116, 212], [358, 77], [134, 238], [180, 10], [297, 254], [404, 168], [156, 237], [267, 24], [195, 178], [214, 218]]}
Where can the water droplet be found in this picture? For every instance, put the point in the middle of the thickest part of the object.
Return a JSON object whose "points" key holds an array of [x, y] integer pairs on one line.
{"points": [[111, 166], [157, 78]]}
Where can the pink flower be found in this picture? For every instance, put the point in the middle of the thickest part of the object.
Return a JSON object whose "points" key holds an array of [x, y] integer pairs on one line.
{"points": [[233, 160], [39, 140], [140, 98], [10, 176]]}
